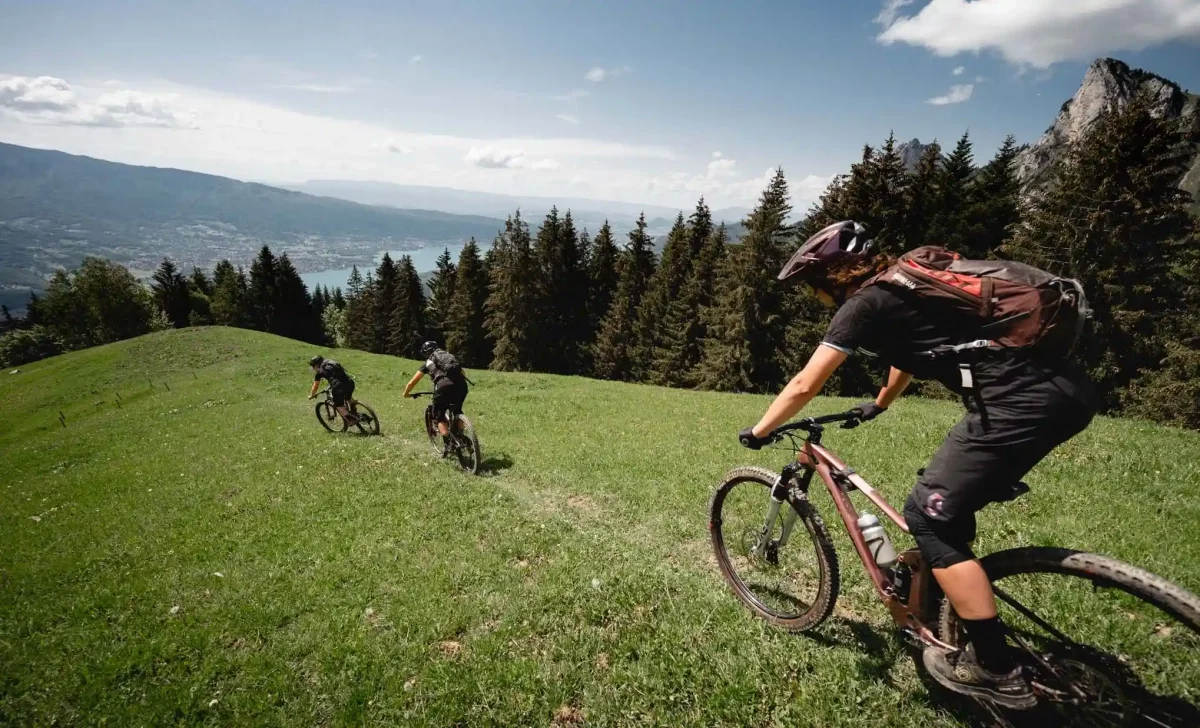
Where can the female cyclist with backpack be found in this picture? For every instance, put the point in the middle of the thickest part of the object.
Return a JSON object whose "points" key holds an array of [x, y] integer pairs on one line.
{"points": [[974, 327], [449, 384]]}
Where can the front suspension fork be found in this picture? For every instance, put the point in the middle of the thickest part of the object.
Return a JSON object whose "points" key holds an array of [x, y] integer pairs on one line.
{"points": [[779, 494]]}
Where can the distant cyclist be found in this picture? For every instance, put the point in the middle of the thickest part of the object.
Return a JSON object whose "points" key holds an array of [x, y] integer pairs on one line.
{"points": [[341, 386], [449, 384], [1025, 407]]}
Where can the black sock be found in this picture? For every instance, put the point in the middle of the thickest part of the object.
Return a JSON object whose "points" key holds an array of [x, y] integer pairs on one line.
{"points": [[987, 636]]}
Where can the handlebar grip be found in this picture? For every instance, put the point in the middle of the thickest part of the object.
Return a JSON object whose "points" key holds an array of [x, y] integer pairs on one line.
{"points": [[745, 441]]}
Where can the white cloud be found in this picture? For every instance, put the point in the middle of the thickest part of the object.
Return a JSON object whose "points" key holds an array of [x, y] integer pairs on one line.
{"points": [[317, 88], [394, 147], [50, 100], [493, 157], [598, 74], [980, 79], [721, 184], [889, 11], [567, 118], [1040, 33], [416, 59], [722, 168], [959, 71], [956, 95], [716, 155], [574, 95]]}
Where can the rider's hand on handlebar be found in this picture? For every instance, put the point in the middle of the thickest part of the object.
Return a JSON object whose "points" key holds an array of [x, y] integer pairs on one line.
{"points": [[869, 411], [312, 396], [747, 438]]}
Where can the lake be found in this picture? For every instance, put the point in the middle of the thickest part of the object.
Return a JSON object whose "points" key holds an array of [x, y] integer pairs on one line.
{"points": [[424, 260]]}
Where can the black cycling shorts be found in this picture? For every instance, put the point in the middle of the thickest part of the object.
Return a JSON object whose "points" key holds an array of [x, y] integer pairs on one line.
{"points": [[449, 398], [980, 463], [341, 392]]}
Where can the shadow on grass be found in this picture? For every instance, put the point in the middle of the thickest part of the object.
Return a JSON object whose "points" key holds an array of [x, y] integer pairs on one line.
{"points": [[495, 464], [1116, 695]]}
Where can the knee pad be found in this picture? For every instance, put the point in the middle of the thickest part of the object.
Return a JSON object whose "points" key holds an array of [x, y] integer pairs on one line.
{"points": [[943, 542]]}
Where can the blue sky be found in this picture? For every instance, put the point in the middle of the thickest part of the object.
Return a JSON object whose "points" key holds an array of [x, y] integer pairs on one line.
{"points": [[652, 102]]}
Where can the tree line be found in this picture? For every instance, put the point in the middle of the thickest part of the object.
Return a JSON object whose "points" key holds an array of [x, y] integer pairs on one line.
{"points": [[707, 311]]}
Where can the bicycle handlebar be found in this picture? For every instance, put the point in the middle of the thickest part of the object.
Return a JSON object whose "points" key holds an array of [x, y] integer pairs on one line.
{"points": [[849, 419], [414, 395]]}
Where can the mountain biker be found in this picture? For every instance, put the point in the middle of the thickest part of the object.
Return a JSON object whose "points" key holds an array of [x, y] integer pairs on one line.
{"points": [[1023, 407], [449, 385], [341, 386]]}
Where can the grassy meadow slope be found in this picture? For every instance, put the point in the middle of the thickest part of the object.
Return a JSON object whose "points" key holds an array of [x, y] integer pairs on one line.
{"points": [[330, 579]]}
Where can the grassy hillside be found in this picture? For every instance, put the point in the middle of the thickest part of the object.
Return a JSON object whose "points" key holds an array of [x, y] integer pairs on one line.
{"points": [[204, 552]]}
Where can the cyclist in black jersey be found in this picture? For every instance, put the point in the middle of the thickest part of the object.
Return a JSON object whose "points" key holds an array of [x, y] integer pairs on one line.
{"points": [[449, 383], [1021, 409], [341, 385]]}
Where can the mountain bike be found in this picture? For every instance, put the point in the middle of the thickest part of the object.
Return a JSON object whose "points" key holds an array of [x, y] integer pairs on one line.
{"points": [[363, 417], [464, 445], [1140, 664]]}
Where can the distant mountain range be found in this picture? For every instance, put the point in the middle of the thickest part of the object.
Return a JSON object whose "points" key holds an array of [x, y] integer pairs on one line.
{"points": [[56, 208], [587, 213]]}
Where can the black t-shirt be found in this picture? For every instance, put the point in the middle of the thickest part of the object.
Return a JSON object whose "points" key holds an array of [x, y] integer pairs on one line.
{"points": [[438, 367], [332, 372], [897, 327]]}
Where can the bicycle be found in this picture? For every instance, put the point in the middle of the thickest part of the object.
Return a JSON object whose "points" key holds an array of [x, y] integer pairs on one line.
{"points": [[1151, 625], [327, 414], [464, 444]]}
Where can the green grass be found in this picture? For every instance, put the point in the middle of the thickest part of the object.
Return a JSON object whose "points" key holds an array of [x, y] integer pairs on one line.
{"points": [[330, 579]]}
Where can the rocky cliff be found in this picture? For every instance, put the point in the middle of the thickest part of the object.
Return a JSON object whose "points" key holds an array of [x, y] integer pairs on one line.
{"points": [[1107, 83]]}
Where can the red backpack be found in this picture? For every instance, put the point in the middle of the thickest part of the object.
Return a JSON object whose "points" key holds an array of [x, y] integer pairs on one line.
{"points": [[1018, 306]]}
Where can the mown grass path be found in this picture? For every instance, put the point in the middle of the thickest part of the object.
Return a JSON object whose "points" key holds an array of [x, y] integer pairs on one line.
{"points": [[201, 551]]}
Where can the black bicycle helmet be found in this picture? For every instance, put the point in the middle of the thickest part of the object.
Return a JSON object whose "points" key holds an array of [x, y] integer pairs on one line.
{"points": [[846, 239], [428, 348], [316, 361]]}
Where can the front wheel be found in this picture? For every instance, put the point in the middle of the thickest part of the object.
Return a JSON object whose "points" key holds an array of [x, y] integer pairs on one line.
{"points": [[1104, 643], [327, 415], [788, 576]]}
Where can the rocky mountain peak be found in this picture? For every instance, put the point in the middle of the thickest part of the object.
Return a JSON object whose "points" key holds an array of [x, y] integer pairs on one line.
{"points": [[1107, 83], [910, 153]]}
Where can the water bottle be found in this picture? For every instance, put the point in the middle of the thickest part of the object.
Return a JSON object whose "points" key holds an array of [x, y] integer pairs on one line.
{"points": [[877, 540]]}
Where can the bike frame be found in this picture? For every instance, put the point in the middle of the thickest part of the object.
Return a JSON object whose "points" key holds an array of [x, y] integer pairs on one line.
{"points": [[840, 481]]}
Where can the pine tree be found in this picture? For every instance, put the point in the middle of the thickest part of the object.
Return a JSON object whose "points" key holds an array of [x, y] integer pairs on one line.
{"points": [[684, 328], [231, 292], [994, 204], [382, 315], [603, 276], [262, 294], [545, 287], [616, 342], [360, 331], [921, 197], [511, 303], [949, 226], [466, 335], [746, 328], [571, 293], [9, 323], [663, 288], [407, 330], [171, 293], [889, 182], [1116, 221], [339, 301], [294, 317], [199, 281], [441, 293]]}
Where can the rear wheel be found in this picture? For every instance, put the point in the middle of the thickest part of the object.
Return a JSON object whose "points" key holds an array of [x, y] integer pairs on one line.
{"points": [[368, 423], [327, 415], [793, 586], [1104, 643], [466, 446]]}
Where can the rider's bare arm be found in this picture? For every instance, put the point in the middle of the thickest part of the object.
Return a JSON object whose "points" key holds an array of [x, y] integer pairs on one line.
{"points": [[408, 388], [800, 391], [896, 384], [313, 392]]}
